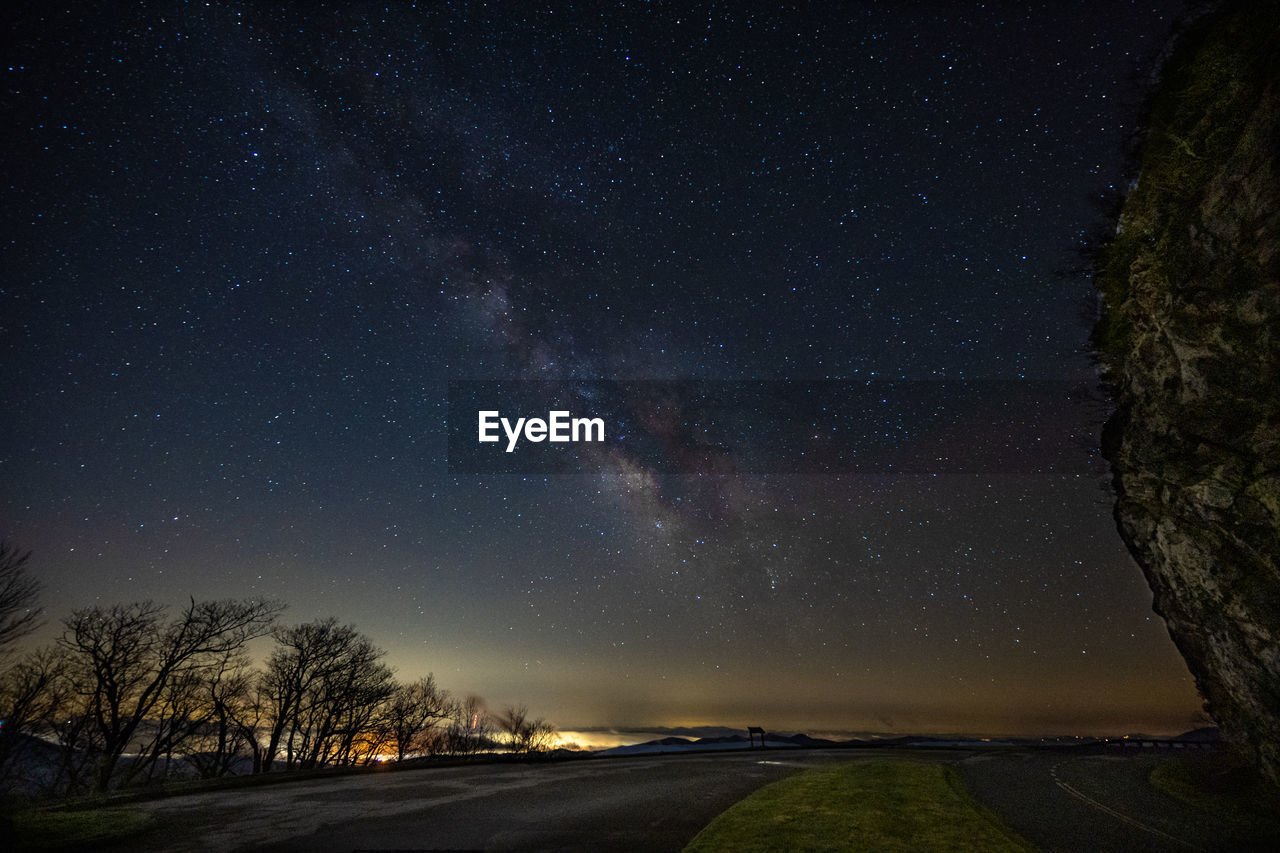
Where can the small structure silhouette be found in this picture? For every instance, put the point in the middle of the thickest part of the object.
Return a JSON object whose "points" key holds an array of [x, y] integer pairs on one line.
{"points": [[752, 731]]}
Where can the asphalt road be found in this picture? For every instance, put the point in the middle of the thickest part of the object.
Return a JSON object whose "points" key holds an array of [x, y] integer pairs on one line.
{"points": [[644, 803], [1064, 801], [1060, 801]]}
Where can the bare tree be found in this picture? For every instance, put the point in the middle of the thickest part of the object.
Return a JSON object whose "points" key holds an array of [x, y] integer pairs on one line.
{"points": [[296, 662], [241, 701], [525, 735], [512, 722], [540, 736], [78, 739], [29, 696], [411, 714], [231, 720], [19, 591], [175, 719], [470, 728], [344, 708], [127, 661], [324, 684]]}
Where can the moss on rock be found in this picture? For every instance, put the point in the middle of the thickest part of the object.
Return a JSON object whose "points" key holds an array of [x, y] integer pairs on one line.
{"points": [[1190, 342]]}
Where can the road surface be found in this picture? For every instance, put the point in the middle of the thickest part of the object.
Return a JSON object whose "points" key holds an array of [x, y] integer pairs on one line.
{"points": [[644, 803], [1062, 800], [1058, 800]]}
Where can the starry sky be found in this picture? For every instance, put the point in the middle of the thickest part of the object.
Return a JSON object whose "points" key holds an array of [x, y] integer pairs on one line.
{"points": [[252, 251]]}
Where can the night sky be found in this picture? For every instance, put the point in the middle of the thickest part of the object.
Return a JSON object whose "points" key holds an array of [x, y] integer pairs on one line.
{"points": [[247, 248]]}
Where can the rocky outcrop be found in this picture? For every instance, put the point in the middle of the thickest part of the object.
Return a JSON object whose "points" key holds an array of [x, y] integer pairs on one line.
{"points": [[1190, 342]]}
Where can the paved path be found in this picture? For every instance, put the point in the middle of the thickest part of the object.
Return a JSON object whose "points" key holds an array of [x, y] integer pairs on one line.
{"points": [[644, 803], [1058, 800], [1068, 801]]}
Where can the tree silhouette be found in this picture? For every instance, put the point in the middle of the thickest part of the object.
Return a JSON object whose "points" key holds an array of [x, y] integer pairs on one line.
{"points": [[230, 718], [128, 662], [523, 734], [323, 684], [30, 691], [411, 713], [470, 728], [19, 591], [173, 690]]}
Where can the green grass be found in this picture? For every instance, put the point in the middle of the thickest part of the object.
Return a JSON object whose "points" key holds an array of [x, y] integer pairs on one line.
{"points": [[78, 829], [898, 805]]}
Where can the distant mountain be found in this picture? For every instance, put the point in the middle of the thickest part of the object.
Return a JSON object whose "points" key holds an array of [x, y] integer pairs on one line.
{"points": [[679, 744], [801, 739], [1205, 734]]}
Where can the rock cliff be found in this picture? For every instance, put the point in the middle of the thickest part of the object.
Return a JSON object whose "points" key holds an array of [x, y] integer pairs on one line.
{"points": [[1190, 343]]}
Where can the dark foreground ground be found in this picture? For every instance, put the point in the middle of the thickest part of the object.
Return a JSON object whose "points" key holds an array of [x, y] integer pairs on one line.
{"points": [[1057, 800], [1060, 800]]}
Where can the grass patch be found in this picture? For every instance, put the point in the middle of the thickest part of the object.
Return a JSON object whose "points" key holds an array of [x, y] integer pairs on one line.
{"points": [[79, 829], [899, 805]]}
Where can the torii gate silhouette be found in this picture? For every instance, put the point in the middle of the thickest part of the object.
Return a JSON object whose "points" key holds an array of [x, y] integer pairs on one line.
{"points": [[752, 731]]}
